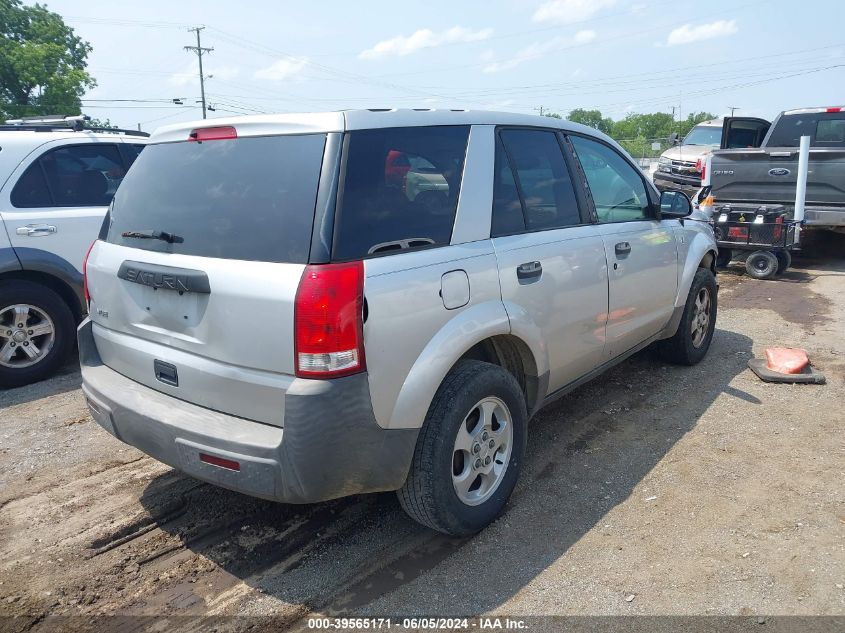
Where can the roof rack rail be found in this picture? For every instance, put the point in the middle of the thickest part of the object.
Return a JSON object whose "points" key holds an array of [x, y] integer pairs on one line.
{"points": [[59, 122]]}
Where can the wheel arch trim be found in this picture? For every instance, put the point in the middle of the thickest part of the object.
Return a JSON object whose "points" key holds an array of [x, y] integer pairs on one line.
{"points": [[701, 253], [34, 264], [467, 329]]}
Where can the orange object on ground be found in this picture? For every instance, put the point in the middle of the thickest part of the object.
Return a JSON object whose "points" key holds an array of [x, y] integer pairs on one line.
{"points": [[786, 360]]}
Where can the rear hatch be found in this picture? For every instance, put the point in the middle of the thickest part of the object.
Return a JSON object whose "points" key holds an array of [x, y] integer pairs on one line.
{"points": [[194, 280]]}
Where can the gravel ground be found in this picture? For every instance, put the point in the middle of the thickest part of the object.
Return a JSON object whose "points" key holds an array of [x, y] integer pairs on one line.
{"points": [[653, 490]]}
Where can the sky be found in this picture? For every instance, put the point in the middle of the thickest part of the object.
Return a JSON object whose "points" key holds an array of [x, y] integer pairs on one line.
{"points": [[618, 56]]}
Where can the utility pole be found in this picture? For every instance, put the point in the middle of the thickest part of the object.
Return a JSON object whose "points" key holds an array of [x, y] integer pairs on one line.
{"points": [[200, 51], [541, 110], [733, 109]]}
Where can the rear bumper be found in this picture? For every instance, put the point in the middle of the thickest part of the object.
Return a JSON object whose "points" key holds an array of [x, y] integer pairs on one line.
{"points": [[824, 217], [330, 446]]}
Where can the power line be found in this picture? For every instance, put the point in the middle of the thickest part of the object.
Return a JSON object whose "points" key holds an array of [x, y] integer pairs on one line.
{"points": [[200, 51]]}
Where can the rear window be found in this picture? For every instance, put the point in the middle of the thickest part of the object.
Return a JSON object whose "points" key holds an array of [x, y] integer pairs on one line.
{"points": [[826, 129], [249, 198], [400, 190]]}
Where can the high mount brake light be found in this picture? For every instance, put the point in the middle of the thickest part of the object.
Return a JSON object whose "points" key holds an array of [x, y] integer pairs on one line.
{"points": [[218, 133], [329, 321]]}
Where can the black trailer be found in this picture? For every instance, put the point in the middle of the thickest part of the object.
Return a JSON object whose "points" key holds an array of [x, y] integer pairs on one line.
{"points": [[763, 236]]}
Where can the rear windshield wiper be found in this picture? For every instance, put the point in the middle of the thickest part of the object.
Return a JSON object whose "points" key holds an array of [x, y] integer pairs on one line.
{"points": [[170, 238]]}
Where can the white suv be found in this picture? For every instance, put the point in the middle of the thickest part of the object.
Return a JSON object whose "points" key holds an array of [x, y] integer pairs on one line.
{"points": [[302, 307], [57, 179]]}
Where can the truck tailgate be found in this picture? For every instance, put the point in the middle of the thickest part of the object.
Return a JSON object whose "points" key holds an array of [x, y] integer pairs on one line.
{"points": [[768, 176]]}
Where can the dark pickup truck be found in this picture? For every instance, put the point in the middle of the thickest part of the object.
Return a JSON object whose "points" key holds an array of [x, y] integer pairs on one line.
{"points": [[765, 173]]}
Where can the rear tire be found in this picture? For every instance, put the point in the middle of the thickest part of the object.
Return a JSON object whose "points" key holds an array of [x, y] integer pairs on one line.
{"points": [[724, 257], [476, 400], [37, 309], [761, 265], [695, 332], [784, 261]]}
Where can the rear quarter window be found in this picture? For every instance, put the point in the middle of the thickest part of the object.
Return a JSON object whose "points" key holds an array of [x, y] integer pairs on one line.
{"points": [[399, 190]]}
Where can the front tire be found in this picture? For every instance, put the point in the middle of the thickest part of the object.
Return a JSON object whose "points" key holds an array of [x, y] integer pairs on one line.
{"points": [[36, 332], [695, 332], [469, 451]]}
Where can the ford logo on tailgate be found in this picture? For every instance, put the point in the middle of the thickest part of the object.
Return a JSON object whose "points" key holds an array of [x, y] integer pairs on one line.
{"points": [[779, 171]]}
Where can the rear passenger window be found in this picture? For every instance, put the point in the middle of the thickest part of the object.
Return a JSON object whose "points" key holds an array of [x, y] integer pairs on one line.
{"points": [[400, 190], [548, 198], [130, 153], [507, 208], [83, 175], [76, 176], [31, 191]]}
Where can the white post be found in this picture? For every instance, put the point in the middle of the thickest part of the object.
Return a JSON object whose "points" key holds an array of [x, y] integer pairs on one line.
{"points": [[801, 185]]}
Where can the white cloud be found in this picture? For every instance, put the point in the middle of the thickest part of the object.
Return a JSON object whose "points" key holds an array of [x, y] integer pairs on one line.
{"points": [[424, 38], [190, 76], [569, 11], [688, 33], [584, 37], [285, 68], [535, 51]]}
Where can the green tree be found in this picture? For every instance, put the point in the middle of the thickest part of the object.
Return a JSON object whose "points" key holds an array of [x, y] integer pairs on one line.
{"points": [[100, 123], [42, 62], [592, 118]]}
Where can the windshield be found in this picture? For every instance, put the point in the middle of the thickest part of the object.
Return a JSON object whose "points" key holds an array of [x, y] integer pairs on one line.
{"points": [[249, 198], [704, 135]]}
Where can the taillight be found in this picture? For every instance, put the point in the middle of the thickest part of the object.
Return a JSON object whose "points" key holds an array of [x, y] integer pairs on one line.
{"points": [[834, 110], [701, 166], [218, 133], [85, 274], [329, 321]]}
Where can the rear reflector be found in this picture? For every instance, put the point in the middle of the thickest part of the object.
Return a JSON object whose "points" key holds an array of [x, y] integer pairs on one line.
{"points": [[329, 321], [213, 133], [228, 464]]}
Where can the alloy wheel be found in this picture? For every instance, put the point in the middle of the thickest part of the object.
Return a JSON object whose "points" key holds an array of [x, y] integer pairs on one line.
{"points": [[27, 335], [701, 317], [482, 451]]}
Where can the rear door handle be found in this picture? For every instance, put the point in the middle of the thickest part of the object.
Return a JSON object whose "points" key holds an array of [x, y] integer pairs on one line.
{"points": [[623, 248], [529, 272], [36, 230]]}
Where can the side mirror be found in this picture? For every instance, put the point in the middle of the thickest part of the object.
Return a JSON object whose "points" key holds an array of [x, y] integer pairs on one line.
{"points": [[674, 205], [673, 138]]}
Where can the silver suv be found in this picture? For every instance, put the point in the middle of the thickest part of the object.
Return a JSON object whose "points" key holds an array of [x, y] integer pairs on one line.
{"points": [[303, 307]]}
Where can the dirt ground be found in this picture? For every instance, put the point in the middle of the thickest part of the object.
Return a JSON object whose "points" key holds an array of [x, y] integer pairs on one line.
{"points": [[653, 490]]}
